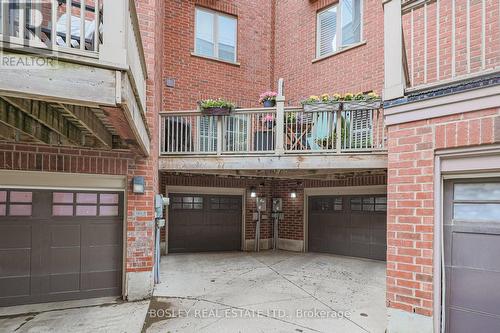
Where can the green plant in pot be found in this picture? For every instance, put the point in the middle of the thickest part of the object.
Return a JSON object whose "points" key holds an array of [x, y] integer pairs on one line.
{"points": [[216, 107]]}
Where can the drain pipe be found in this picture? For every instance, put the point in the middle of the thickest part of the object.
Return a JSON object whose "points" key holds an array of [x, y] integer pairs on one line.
{"points": [[257, 233], [160, 201]]}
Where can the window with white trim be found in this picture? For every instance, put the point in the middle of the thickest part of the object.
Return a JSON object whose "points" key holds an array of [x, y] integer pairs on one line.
{"points": [[215, 35], [338, 26]]}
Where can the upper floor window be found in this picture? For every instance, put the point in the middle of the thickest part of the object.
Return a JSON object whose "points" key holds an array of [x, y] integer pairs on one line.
{"points": [[215, 35], [338, 26]]}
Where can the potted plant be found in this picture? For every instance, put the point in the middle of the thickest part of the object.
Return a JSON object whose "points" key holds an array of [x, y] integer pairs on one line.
{"points": [[362, 101], [268, 119], [324, 102], [268, 99], [216, 107]]}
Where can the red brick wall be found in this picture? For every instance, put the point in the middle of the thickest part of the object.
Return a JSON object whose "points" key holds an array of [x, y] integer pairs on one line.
{"points": [[410, 221], [292, 225], [197, 78], [140, 229], [357, 70], [275, 39], [417, 58]]}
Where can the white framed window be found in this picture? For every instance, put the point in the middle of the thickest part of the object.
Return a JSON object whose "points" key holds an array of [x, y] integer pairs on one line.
{"points": [[215, 35], [338, 26]]}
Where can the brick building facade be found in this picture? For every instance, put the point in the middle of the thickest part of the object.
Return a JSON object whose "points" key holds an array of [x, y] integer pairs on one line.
{"points": [[443, 126]]}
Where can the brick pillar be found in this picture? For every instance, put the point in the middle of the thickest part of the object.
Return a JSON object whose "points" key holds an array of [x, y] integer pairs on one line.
{"points": [[140, 207], [411, 200]]}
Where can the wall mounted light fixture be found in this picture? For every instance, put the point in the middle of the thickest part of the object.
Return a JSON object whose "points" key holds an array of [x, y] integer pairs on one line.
{"points": [[293, 194], [253, 192]]}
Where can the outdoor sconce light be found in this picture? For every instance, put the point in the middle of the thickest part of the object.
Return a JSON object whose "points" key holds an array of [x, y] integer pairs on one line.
{"points": [[138, 186], [293, 194], [253, 192]]}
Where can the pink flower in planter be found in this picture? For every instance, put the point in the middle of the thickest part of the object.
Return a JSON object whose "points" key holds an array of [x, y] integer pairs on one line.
{"points": [[268, 118], [267, 96]]}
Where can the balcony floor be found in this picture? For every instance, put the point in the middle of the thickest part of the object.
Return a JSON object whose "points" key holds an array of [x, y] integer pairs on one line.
{"points": [[325, 161]]}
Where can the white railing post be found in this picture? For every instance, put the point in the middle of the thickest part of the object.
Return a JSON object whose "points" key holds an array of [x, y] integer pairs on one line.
{"points": [[394, 79], [280, 120], [115, 17], [338, 132], [220, 135]]}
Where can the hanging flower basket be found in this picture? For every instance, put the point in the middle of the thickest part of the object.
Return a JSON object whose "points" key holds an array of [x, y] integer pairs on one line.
{"points": [[216, 107], [362, 105]]}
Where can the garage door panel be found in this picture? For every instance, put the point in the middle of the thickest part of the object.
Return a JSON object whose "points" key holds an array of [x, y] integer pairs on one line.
{"points": [[101, 280], [103, 233], [487, 245], [471, 249], [360, 221], [357, 227], [64, 283], [15, 236], [476, 290], [360, 249], [64, 260], [64, 235], [204, 223], [15, 262], [103, 258], [379, 221], [14, 287], [461, 321], [378, 252], [378, 236], [360, 235], [48, 251], [339, 247]]}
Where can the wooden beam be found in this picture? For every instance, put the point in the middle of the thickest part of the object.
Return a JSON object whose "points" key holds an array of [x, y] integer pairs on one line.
{"points": [[271, 162], [325, 174], [87, 119], [60, 82], [18, 126], [51, 118]]}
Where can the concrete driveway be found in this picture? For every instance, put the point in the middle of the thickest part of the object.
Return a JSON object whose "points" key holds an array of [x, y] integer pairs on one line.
{"points": [[268, 292], [230, 292]]}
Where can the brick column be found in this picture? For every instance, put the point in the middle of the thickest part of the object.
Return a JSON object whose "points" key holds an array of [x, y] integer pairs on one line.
{"points": [[140, 207], [410, 218]]}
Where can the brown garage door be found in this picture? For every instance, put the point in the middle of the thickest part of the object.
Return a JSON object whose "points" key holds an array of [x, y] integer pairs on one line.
{"points": [[59, 245], [199, 223], [471, 253], [348, 225]]}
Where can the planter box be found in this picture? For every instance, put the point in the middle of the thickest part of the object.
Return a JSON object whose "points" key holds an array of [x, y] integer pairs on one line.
{"points": [[361, 105], [319, 107], [216, 111]]}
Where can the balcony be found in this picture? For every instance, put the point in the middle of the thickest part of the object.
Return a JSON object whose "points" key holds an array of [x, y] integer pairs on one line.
{"points": [[440, 56], [275, 138], [70, 55]]}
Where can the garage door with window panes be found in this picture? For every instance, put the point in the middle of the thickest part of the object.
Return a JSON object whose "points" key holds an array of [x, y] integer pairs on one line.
{"points": [[348, 225], [59, 245], [471, 255], [199, 223]]}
